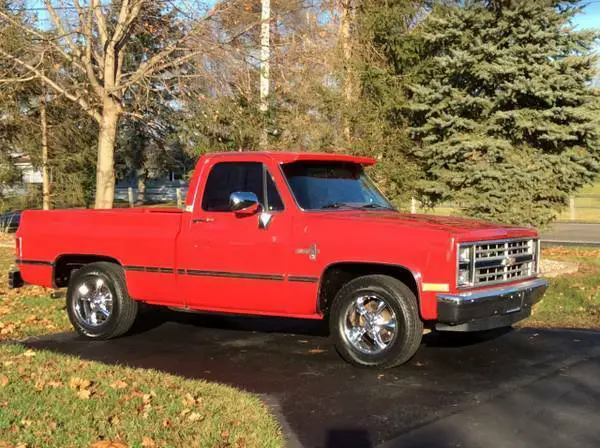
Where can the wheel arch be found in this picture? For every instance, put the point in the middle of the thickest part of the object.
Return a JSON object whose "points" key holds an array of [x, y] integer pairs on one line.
{"points": [[65, 264], [337, 274]]}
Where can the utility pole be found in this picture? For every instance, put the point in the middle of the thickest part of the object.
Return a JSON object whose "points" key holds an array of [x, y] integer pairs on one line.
{"points": [[344, 34], [265, 54], [44, 129]]}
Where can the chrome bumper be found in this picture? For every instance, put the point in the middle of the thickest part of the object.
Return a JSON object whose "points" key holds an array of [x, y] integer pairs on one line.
{"points": [[488, 308]]}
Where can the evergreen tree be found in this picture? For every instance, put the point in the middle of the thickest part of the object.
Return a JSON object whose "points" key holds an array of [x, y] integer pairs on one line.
{"points": [[502, 110]]}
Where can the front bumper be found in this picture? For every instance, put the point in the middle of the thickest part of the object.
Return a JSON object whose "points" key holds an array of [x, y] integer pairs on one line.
{"points": [[489, 308]]}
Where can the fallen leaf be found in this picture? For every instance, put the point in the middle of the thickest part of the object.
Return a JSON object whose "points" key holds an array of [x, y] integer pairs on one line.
{"points": [[147, 442], [107, 444], [84, 394], [119, 384], [3, 380], [189, 400], [194, 417], [79, 383], [29, 353]]}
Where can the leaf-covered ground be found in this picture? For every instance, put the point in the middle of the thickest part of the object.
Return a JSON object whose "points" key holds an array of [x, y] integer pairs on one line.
{"points": [[572, 301], [53, 400], [50, 400]]}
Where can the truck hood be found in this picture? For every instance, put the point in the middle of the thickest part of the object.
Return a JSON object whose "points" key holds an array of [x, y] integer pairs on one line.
{"points": [[462, 229]]}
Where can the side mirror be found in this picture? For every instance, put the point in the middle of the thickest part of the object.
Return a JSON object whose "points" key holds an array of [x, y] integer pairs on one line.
{"points": [[244, 203]]}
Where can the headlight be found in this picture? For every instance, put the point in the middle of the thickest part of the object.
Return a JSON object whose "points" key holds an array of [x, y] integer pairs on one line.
{"points": [[464, 277], [464, 265], [464, 254]]}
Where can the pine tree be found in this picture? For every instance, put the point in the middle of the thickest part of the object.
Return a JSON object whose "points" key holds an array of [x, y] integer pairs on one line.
{"points": [[502, 111]]}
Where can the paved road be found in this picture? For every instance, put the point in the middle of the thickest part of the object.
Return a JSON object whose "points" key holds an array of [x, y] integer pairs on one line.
{"points": [[573, 233], [523, 388]]}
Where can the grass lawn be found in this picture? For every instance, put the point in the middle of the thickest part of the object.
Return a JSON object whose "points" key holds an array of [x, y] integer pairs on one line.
{"points": [[573, 300], [53, 400], [587, 208]]}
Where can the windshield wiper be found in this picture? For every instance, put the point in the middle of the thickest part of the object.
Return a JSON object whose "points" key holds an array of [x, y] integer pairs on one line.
{"points": [[374, 205], [337, 205], [354, 206]]}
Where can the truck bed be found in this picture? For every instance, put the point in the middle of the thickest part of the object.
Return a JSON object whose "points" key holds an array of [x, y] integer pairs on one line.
{"points": [[134, 236]]}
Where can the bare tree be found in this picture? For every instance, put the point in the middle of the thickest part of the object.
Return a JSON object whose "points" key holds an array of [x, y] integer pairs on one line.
{"points": [[97, 68]]}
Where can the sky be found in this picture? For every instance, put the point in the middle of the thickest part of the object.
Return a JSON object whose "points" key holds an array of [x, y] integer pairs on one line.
{"points": [[590, 18]]}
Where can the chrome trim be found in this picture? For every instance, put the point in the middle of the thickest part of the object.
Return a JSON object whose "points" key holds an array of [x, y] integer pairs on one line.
{"points": [[538, 255], [243, 200], [264, 219], [472, 296], [92, 302], [472, 265], [244, 275], [302, 279], [34, 262], [369, 324]]}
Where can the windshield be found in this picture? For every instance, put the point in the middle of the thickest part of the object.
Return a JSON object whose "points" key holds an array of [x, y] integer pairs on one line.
{"points": [[330, 185]]}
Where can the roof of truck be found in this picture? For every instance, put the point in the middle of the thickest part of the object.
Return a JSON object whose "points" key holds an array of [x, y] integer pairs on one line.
{"points": [[288, 157]]}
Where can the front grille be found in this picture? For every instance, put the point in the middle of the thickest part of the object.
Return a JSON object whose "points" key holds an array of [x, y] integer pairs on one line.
{"points": [[494, 262]]}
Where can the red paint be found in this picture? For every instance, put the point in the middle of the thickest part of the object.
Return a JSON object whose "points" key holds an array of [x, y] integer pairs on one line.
{"points": [[228, 243]]}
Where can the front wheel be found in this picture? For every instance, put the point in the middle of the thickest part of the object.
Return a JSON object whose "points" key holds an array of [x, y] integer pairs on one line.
{"points": [[98, 304], [375, 322]]}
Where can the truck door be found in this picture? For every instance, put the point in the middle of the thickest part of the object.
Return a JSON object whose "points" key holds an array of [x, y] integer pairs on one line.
{"points": [[232, 262]]}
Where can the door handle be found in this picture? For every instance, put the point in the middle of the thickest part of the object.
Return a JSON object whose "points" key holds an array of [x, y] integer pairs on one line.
{"points": [[195, 220]]}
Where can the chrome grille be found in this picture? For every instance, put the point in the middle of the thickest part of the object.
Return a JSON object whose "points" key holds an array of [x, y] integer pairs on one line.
{"points": [[494, 262]]}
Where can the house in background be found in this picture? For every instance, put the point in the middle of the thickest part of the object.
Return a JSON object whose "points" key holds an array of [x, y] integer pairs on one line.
{"points": [[30, 174]]}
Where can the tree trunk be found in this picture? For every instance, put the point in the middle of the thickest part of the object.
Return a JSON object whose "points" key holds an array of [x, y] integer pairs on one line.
{"points": [[44, 128], [141, 187], [105, 174]]}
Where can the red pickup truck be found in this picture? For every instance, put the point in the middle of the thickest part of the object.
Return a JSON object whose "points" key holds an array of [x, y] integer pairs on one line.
{"points": [[300, 235]]}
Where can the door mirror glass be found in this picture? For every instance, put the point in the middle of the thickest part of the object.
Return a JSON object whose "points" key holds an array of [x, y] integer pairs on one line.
{"points": [[244, 203]]}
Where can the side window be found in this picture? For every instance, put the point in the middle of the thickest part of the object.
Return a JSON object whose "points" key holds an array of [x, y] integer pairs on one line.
{"points": [[228, 177], [274, 202]]}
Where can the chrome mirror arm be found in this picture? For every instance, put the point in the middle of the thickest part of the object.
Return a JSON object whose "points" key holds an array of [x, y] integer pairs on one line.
{"points": [[264, 219]]}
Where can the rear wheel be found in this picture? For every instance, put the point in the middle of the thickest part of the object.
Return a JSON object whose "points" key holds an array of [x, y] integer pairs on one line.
{"points": [[98, 304], [375, 322]]}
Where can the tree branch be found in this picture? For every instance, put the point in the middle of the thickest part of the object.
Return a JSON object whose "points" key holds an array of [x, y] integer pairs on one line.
{"points": [[11, 80], [88, 31], [61, 28], [100, 23], [91, 111], [43, 38]]}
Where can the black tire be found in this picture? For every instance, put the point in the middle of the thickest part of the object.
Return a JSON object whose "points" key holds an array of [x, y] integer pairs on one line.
{"points": [[409, 327], [124, 309]]}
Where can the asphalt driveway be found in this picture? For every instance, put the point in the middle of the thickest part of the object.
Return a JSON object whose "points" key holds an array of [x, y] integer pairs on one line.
{"points": [[572, 234], [534, 388]]}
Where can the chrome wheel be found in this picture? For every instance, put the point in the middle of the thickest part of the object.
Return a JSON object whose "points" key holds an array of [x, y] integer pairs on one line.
{"points": [[370, 324], [93, 304]]}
